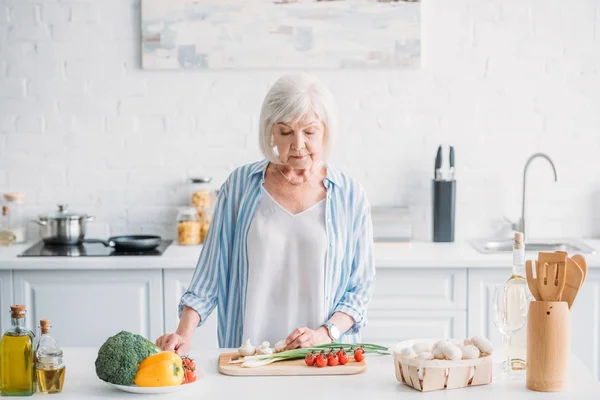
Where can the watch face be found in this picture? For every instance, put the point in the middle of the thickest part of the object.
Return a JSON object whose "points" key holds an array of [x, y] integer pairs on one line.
{"points": [[335, 332]]}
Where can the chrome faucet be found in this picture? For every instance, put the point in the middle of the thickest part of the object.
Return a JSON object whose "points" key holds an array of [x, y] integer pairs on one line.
{"points": [[521, 225]]}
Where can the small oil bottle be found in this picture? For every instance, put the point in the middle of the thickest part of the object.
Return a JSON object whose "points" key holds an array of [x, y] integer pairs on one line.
{"points": [[16, 356], [49, 365]]}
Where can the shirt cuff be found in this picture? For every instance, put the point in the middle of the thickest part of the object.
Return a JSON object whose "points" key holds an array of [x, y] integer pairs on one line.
{"points": [[195, 303], [354, 313]]}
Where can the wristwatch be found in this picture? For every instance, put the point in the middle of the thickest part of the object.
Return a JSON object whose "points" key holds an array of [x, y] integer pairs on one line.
{"points": [[332, 331]]}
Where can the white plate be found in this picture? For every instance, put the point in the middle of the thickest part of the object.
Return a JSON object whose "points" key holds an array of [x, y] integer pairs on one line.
{"points": [[153, 390]]}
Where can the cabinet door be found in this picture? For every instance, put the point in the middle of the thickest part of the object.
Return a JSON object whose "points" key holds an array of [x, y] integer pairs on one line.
{"points": [[420, 289], [6, 299], [481, 290], [86, 307], [585, 323], [390, 327], [176, 283]]}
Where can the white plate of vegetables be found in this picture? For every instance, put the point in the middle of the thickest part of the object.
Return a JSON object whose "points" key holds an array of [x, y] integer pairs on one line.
{"points": [[154, 390]]}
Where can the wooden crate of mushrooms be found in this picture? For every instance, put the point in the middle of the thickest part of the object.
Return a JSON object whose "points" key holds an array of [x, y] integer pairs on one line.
{"points": [[428, 365]]}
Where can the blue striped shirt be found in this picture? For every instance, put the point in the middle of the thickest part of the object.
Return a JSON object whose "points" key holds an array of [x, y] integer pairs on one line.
{"points": [[221, 275]]}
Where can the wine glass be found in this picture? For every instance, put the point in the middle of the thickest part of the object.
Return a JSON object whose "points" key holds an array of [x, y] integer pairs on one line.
{"points": [[510, 304]]}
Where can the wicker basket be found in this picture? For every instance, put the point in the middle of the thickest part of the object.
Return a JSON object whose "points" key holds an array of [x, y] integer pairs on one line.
{"points": [[428, 375]]}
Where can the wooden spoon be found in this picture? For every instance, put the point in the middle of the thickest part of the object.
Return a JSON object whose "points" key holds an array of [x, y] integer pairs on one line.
{"points": [[580, 260], [531, 281], [573, 282], [551, 275]]}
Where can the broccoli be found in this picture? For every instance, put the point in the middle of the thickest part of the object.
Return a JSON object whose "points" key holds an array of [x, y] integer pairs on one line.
{"points": [[119, 356]]}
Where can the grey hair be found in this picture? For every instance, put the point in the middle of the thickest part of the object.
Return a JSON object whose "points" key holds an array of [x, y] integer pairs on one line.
{"points": [[291, 97]]}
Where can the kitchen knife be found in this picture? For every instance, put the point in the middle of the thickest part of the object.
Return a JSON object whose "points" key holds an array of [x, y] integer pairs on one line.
{"points": [[438, 164], [451, 171]]}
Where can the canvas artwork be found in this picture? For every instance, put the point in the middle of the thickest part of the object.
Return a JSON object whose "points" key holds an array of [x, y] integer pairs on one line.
{"points": [[294, 34]]}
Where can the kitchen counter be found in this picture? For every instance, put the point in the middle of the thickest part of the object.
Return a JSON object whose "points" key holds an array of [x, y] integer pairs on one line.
{"points": [[378, 382], [387, 255]]}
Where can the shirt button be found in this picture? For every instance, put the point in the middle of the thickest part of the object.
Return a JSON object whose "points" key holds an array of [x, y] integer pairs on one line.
{"points": [[328, 219], [331, 244]]}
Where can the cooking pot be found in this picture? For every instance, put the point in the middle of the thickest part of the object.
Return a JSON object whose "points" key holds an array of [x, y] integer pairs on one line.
{"points": [[63, 227]]}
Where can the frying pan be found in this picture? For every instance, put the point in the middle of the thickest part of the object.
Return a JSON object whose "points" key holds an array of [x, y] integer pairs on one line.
{"points": [[130, 242]]}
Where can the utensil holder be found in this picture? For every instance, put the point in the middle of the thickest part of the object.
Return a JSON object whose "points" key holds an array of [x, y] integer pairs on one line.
{"points": [[548, 346], [444, 206]]}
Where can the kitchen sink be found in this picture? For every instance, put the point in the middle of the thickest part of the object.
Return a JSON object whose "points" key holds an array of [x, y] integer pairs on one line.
{"points": [[502, 246]]}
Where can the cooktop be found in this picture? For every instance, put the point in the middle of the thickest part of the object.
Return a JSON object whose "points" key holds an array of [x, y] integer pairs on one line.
{"points": [[41, 249]]}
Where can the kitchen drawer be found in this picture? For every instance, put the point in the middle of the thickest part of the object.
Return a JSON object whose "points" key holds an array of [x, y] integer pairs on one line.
{"points": [[86, 307], [390, 327], [420, 289]]}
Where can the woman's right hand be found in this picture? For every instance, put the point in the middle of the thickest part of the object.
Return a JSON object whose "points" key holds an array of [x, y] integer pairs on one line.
{"points": [[174, 342]]}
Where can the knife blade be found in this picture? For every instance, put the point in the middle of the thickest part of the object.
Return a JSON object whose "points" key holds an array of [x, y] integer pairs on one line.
{"points": [[451, 171], [438, 164]]}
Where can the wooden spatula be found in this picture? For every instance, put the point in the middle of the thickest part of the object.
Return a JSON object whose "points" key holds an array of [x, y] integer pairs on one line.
{"points": [[531, 281], [580, 260], [551, 275], [573, 282]]}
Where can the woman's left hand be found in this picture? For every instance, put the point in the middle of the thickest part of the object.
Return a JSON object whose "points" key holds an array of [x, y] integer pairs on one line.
{"points": [[305, 337]]}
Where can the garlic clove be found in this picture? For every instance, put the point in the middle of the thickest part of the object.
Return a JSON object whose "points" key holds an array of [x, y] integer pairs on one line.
{"points": [[266, 351], [265, 345]]}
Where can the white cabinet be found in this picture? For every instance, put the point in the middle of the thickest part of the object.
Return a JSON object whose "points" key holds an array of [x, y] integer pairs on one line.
{"points": [[86, 307], [410, 303], [481, 290], [176, 283], [6, 299], [390, 327], [585, 323], [585, 314]]}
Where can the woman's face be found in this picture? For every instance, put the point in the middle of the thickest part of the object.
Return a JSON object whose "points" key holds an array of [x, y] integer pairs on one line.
{"points": [[300, 142]]}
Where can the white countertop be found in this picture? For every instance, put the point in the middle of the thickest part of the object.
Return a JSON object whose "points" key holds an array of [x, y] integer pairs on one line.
{"points": [[378, 382], [387, 255]]}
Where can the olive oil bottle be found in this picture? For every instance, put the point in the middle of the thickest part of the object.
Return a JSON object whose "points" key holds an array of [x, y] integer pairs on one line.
{"points": [[17, 374]]}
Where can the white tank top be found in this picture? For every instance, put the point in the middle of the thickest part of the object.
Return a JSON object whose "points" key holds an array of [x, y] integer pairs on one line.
{"points": [[286, 271]]}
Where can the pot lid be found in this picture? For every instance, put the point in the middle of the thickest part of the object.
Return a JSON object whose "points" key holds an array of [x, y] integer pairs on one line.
{"points": [[62, 213]]}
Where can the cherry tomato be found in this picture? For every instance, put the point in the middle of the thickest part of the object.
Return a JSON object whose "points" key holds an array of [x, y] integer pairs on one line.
{"points": [[190, 376], [309, 359], [320, 361], [332, 360], [342, 357], [359, 355]]}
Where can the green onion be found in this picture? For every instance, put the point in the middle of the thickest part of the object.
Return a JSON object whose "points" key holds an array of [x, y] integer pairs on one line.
{"points": [[261, 360]]}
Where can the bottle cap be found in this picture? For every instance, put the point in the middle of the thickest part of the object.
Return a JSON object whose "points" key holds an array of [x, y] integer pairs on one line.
{"points": [[18, 310], [519, 242], [44, 325]]}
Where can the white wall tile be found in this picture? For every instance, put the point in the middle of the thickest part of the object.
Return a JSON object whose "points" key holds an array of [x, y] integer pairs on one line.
{"points": [[500, 80]]}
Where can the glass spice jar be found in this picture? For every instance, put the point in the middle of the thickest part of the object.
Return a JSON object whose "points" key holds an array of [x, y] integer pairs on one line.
{"points": [[188, 226], [50, 370]]}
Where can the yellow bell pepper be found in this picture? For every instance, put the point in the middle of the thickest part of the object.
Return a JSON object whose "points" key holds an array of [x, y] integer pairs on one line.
{"points": [[161, 369]]}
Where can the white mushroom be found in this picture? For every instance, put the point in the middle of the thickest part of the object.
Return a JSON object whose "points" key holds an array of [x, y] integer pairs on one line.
{"points": [[467, 342], [470, 352], [452, 352], [426, 355], [280, 346], [484, 345], [264, 349], [407, 352], [247, 349], [439, 343], [438, 351], [421, 347]]}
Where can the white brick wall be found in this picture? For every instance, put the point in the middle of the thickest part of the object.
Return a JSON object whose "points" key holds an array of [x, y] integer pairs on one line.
{"points": [[81, 123]]}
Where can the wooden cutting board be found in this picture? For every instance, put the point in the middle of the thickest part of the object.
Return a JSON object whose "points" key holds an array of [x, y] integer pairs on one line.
{"points": [[287, 368]]}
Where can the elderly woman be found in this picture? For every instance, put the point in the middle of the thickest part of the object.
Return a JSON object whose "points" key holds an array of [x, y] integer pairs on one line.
{"points": [[289, 252]]}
